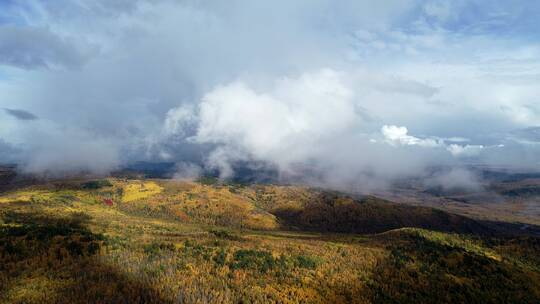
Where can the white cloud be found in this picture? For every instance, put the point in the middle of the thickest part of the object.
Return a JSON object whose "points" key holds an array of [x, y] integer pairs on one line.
{"points": [[178, 120], [284, 124], [309, 107], [467, 150], [296, 84], [64, 152], [395, 135], [455, 179], [187, 171]]}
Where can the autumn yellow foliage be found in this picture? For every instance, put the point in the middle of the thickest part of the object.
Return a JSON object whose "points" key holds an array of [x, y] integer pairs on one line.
{"points": [[26, 196], [138, 190], [186, 242]]}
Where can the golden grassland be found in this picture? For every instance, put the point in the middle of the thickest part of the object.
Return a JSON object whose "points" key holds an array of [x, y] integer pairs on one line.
{"points": [[138, 190], [184, 242]]}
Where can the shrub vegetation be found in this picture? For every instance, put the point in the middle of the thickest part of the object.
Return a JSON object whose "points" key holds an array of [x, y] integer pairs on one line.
{"points": [[180, 242]]}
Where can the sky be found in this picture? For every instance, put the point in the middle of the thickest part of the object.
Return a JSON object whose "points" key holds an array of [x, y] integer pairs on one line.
{"points": [[352, 93]]}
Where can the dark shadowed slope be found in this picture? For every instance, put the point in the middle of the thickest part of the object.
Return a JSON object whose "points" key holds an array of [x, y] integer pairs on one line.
{"points": [[330, 212]]}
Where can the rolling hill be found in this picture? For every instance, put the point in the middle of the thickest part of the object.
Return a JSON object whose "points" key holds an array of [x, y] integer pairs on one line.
{"points": [[163, 241]]}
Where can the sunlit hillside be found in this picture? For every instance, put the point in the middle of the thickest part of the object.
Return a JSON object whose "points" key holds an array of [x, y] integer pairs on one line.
{"points": [[163, 241]]}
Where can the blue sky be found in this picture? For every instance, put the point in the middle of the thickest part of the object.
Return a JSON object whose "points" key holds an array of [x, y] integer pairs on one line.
{"points": [[355, 87]]}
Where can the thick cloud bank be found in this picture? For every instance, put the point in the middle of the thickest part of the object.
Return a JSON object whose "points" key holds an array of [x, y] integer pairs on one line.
{"points": [[347, 94]]}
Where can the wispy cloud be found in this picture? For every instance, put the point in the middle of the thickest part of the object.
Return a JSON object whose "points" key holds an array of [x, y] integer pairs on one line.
{"points": [[32, 48], [20, 114]]}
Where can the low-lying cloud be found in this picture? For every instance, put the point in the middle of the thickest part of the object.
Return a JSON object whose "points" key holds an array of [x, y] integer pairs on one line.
{"points": [[455, 179], [349, 94]]}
